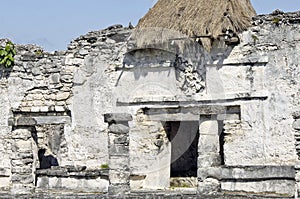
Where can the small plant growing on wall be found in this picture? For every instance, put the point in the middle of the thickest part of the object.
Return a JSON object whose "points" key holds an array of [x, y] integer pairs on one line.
{"points": [[255, 39], [104, 166], [7, 55], [276, 21]]}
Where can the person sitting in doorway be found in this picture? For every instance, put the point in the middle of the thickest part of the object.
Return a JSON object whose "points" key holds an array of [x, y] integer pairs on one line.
{"points": [[46, 161]]}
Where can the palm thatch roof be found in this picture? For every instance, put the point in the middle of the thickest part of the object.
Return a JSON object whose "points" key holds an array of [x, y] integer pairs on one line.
{"points": [[200, 17]]}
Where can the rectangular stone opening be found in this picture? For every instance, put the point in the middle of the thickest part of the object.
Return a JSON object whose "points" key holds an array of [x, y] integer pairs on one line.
{"points": [[184, 136]]}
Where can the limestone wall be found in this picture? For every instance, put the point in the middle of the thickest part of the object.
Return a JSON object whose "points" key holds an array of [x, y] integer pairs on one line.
{"points": [[63, 96], [266, 135]]}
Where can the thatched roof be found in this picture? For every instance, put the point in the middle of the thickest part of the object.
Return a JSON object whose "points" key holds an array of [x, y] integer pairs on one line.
{"points": [[200, 17]]}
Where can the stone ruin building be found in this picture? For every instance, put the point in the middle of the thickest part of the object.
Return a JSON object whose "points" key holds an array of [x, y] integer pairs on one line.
{"points": [[168, 109]]}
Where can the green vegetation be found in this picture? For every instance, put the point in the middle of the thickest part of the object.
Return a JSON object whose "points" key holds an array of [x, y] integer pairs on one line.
{"points": [[104, 166], [276, 21], [7, 55], [255, 38], [38, 52]]}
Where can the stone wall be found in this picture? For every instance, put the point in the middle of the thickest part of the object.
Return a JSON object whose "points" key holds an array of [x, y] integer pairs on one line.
{"points": [[244, 97]]}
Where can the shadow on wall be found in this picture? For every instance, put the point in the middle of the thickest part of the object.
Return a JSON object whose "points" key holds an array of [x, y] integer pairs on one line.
{"points": [[5, 72], [46, 161]]}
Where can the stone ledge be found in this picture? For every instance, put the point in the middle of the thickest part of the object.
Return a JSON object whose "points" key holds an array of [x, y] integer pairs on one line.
{"points": [[65, 172], [248, 173]]}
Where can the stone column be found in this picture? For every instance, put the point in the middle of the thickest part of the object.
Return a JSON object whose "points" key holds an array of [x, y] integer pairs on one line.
{"points": [[118, 151], [296, 127], [209, 153], [22, 163]]}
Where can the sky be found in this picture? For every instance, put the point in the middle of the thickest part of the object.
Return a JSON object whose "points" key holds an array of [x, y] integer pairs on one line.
{"points": [[52, 24]]}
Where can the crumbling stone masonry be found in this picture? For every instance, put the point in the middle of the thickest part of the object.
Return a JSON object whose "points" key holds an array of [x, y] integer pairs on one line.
{"points": [[128, 113]]}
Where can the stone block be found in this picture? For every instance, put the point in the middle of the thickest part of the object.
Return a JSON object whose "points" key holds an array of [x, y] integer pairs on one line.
{"points": [[62, 96], [21, 134], [22, 178], [296, 115], [247, 172], [208, 144], [228, 117], [59, 108], [73, 184], [118, 162], [209, 186], [271, 187], [4, 172], [35, 109], [213, 172], [118, 149], [20, 189], [21, 155], [119, 176], [209, 160], [121, 139], [55, 78], [118, 190], [296, 124], [4, 182], [22, 170], [24, 146], [118, 129], [209, 127], [117, 117], [52, 119], [26, 121], [258, 172]]}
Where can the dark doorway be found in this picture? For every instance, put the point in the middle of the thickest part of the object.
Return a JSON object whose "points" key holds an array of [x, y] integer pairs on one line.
{"points": [[184, 136]]}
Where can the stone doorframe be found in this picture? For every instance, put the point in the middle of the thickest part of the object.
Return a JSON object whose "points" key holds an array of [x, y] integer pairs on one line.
{"points": [[22, 138], [210, 145]]}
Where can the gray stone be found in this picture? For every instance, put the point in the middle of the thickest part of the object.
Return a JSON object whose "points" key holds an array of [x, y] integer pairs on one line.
{"points": [[248, 173], [118, 190], [55, 78], [296, 124], [209, 186], [119, 162], [26, 121], [83, 52], [25, 179], [62, 96], [118, 129], [36, 71], [296, 115], [117, 117], [265, 187], [119, 176], [118, 149]]}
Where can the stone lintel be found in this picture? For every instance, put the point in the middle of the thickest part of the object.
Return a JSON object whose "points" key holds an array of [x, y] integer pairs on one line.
{"points": [[53, 119], [36, 120], [117, 117], [248, 172], [25, 121]]}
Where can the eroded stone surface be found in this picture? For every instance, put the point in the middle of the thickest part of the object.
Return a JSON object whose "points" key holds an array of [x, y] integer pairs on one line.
{"points": [[249, 92]]}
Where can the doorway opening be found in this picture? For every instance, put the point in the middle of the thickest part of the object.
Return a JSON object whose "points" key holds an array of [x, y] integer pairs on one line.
{"points": [[184, 137]]}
